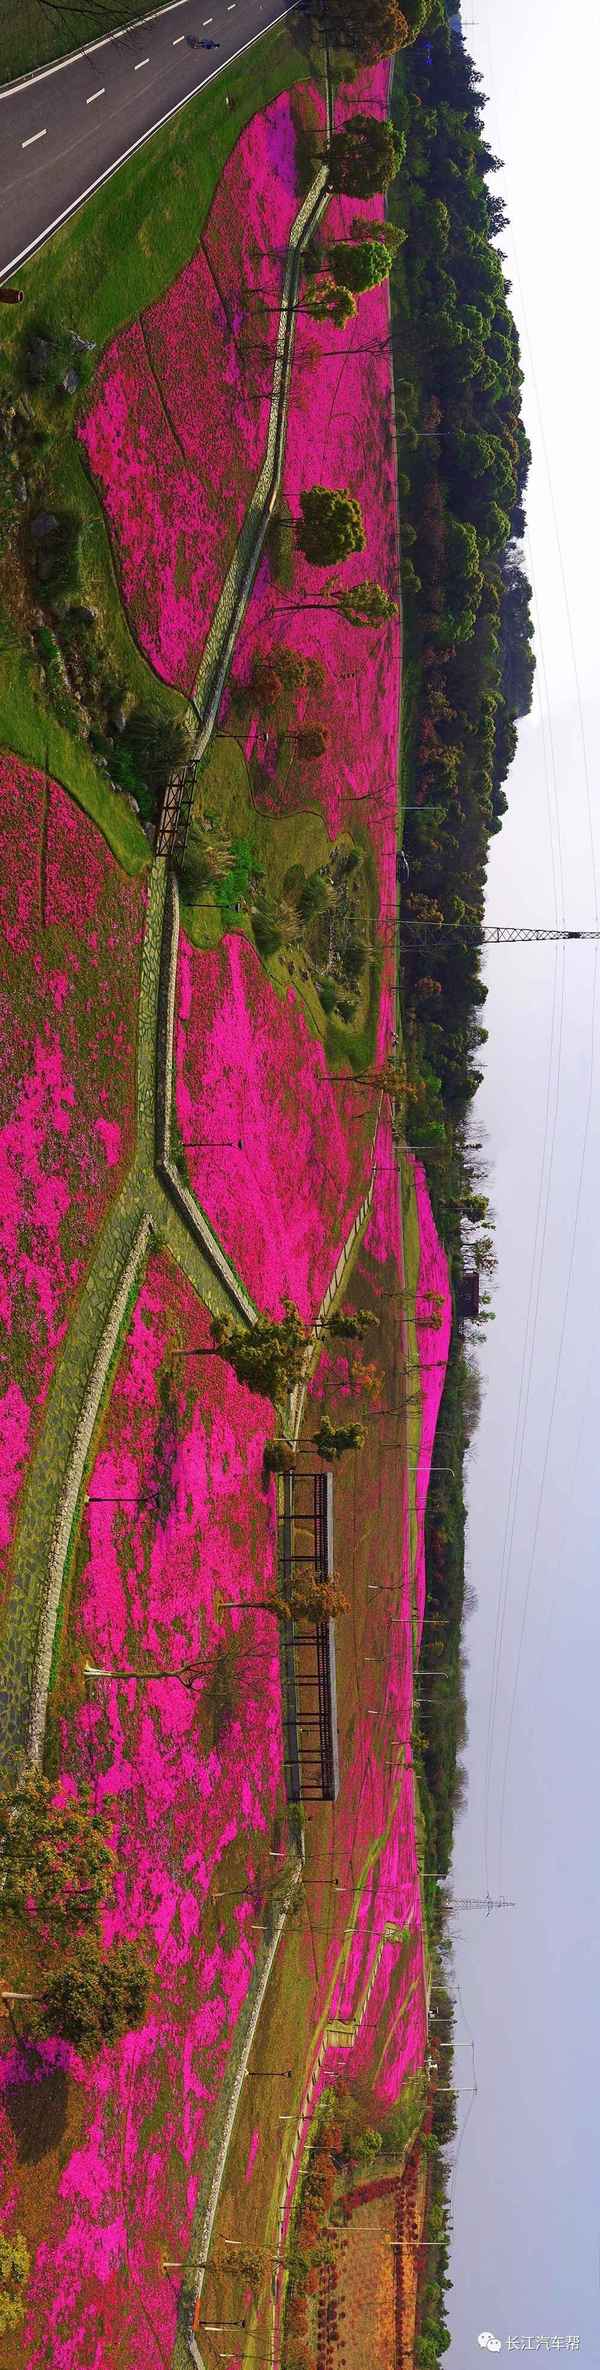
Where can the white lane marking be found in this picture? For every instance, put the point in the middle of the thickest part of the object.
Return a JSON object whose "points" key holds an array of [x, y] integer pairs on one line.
{"points": [[33, 136], [178, 37], [141, 62], [96, 95], [132, 150], [207, 20]]}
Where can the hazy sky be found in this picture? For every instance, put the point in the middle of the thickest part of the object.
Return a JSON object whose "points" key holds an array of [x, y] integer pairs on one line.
{"points": [[526, 2188]]}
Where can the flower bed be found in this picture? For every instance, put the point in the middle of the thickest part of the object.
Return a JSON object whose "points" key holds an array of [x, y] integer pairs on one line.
{"points": [[176, 423], [193, 1778], [71, 931], [278, 1154]]}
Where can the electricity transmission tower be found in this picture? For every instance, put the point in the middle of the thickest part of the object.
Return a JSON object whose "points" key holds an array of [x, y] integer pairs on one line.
{"points": [[424, 933]]}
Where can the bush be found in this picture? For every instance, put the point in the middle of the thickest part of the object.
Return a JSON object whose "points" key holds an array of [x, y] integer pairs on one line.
{"points": [[353, 961], [327, 994], [55, 554], [267, 933], [314, 897], [157, 746]]}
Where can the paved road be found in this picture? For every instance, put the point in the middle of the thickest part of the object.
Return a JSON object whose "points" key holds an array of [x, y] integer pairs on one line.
{"points": [[67, 129]]}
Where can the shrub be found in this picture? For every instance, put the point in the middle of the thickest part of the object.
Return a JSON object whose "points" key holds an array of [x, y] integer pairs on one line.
{"points": [[327, 994], [267, 932], [55, 554], [314, 897], [157, 746], [15, 2267], [311, 742]]}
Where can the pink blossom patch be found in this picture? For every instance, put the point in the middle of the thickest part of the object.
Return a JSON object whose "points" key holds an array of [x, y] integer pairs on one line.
{"points": [[176, 424], [68, 1017], [278, 1154]]}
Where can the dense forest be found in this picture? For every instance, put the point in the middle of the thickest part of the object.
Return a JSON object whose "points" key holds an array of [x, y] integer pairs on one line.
{"points": [[463, 457], [463, 463]]}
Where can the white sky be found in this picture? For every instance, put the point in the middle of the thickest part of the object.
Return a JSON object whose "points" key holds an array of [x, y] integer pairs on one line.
{"points": [[526, 2255]]}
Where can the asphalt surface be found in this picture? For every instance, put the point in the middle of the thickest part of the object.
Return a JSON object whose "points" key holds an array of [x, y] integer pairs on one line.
{"points": [[67, 129]]}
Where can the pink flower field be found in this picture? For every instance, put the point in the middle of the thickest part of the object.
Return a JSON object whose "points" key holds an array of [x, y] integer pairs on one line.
{"points": [[291, 1150], [340, 433], [175, 427], [193, 1780], [390, 2041], [71, 938]]}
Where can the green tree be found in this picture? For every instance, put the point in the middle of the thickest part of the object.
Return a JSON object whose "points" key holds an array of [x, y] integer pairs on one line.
{"points": [[365, 227], [332, 1440], [330, 301], [269, 1356], [367, 603], [359, 267], [95, 1999], [320, 1600], [350, 1324], [364, 156], [55, 1860], [373, 32], [332, 526]]}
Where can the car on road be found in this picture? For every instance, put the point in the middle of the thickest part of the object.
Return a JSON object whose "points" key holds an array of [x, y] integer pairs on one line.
{"points": [[402, 867]]}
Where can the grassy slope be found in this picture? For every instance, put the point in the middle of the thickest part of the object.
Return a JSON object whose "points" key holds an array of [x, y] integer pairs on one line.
{"points": [[112, 260], [277, 843], [31, 36]]}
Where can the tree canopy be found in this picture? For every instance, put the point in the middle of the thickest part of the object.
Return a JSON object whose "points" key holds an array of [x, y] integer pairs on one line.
{"points": [[364, 156], [331, 526], [359, 265], [56, 1862]]}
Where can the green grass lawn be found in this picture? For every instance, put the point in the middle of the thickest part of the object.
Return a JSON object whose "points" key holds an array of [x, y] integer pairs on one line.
{"points": [[276, 844], [115, 257]]}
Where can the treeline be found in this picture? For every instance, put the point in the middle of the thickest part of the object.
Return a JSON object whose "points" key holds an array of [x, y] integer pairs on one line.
{"points": [[463, 463], [439, 1717]]}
